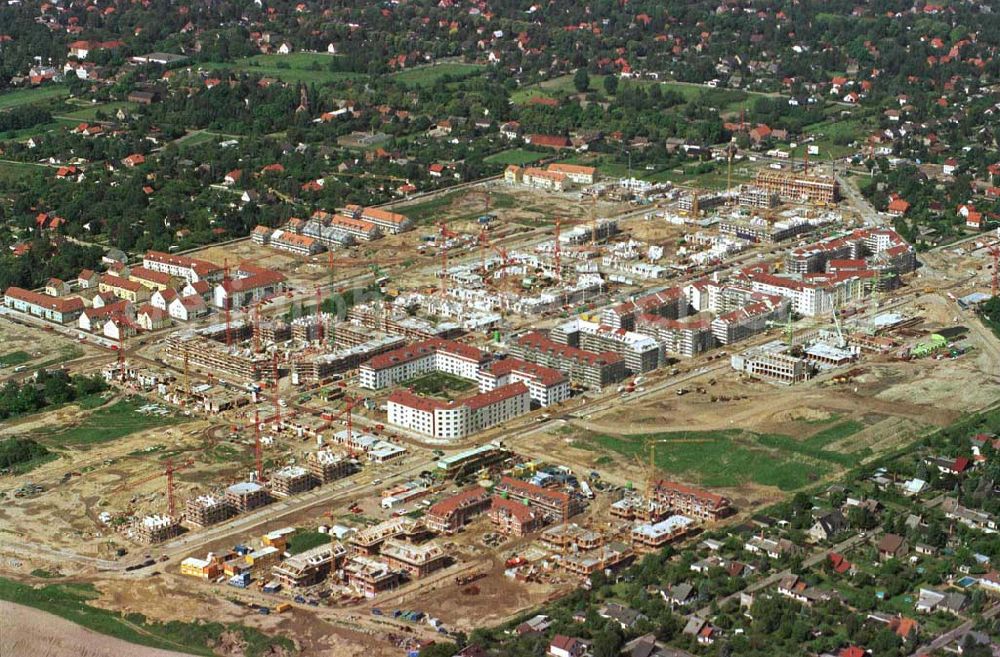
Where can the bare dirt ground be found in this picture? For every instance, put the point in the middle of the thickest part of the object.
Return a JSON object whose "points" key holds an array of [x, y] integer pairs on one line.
{"points": [[26, 631], [42, 347]]}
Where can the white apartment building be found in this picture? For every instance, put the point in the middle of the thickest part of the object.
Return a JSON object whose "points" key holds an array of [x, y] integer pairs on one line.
{"points": [[190, 269], [434, 355], [547, 386], [458, 419]]}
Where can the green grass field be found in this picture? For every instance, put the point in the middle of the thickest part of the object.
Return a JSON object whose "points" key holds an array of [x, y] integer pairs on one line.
{"points": [[14, 171], [425, 76], [515, 156], [731, 457], [106, 424], [306, 540], [428, 210], [295, 67], [71, 601], [33, 96], [14, 358], [440, 384], [89, 112]]}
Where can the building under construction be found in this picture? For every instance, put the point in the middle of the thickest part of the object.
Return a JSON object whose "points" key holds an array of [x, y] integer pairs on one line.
{"points": [[318, 366], [155, 529], [326, 466], [798, 186], [247, 496], [310, 567], [291, 480], [206, 510], [555, 505], [272, 330], [612, 556], [318, 326], [415, 560], [570, 536], [370, 576], [397, 322], [204, 353], [369, 541]]}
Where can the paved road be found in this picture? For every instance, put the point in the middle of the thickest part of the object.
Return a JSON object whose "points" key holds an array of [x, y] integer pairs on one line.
{"points": [[953, 635]]}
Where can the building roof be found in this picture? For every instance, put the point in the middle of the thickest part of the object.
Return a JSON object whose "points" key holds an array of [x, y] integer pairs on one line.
{"points": [[451, 504], [540, 342], [422, 349], [496, 395], [572, 168], [201, 267], [520, 511], [385, 216], [149, 275], [350, 223], [57, 304], [118, 282], [547, 376], [713, 499]]}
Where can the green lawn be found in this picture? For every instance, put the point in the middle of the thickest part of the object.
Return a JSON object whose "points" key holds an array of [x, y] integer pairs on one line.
{"points": [[14, 358], [815, 446], [715, 458], [33, 96], [515, 156], [71, 601], [16, 171], [109, 423], [440, 384], [428, 210], [89, 112], [832, 137], [425, 76], [306, 540], [296, 67]]}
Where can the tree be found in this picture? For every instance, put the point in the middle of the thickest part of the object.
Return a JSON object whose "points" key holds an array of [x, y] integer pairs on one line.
{"points": [[581, 80], [610, 85]]}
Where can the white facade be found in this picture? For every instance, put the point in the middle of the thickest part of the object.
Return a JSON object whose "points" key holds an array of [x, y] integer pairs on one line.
{"points": [[406, 363], [457, 420]]}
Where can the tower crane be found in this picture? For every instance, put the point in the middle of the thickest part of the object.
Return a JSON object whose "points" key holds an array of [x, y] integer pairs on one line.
{"points": [[168, 472], [445, 234]]}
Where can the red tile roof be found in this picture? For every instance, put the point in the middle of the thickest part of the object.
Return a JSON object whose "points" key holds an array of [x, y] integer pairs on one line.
{"points": [[451, 504], [421, 349], [547, 376], [58, 304], [540, 342]]}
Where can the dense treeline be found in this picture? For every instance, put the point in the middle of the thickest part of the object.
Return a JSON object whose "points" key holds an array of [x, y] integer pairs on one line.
{"points": [[15, 451], [26, 116], [46, 388]]}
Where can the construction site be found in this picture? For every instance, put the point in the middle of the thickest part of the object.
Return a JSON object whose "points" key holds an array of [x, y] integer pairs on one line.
{"points": [[473, 415]]}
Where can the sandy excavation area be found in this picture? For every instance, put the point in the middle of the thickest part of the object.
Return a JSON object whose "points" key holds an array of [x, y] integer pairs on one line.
{"points": [[27, 631]]}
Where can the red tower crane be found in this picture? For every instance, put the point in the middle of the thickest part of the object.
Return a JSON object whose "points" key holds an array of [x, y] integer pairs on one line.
{"points": [[557, 252], [168, 472], [350, 403], [484, 243], [226, 286], [995, 252], [121, 355], [319, 321], [445, 234], [257, 450], [274, 397], [256, 327]]}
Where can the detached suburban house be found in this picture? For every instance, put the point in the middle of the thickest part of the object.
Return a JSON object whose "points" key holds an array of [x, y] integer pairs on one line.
{"points": [[892, 546]]}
